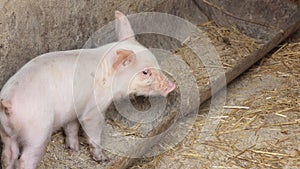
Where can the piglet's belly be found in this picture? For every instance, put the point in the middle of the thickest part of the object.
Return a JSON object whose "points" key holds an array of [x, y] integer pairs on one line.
{"points": [[63, 118]]}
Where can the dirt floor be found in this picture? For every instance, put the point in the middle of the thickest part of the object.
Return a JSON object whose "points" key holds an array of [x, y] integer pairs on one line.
{"points": [[259, 127]]}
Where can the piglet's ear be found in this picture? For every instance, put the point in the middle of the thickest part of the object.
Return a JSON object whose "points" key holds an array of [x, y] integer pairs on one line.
{"points": [[124, 58], [123, 27]]}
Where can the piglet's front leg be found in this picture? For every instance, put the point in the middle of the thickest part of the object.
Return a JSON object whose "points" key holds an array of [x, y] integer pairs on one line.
{"points": [[92, 123], [71, 132]]}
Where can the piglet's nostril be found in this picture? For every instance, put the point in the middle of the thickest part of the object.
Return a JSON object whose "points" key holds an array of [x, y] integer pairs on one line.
{"points": [[145, 72]]}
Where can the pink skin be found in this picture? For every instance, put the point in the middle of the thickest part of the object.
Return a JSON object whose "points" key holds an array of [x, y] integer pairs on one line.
{"points": [[40, 99]]}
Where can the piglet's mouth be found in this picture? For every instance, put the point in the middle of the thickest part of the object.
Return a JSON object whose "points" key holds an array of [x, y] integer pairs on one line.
{"points": [[171, 86]]}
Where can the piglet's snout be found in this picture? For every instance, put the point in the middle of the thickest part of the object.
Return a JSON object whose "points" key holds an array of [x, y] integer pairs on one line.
{"points": [[162, 83]]}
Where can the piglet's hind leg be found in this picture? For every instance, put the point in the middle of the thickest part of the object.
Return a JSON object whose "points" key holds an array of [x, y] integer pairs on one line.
{"points": [[10, 152], [31, 156], [34, 144]]}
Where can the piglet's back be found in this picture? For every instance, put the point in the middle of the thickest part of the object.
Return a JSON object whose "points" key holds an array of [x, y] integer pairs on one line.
{"points": [[37, 73]]}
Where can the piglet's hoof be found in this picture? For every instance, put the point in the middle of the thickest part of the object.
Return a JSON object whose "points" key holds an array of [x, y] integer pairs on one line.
{"points": [[73, 145], [101, 157]]}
